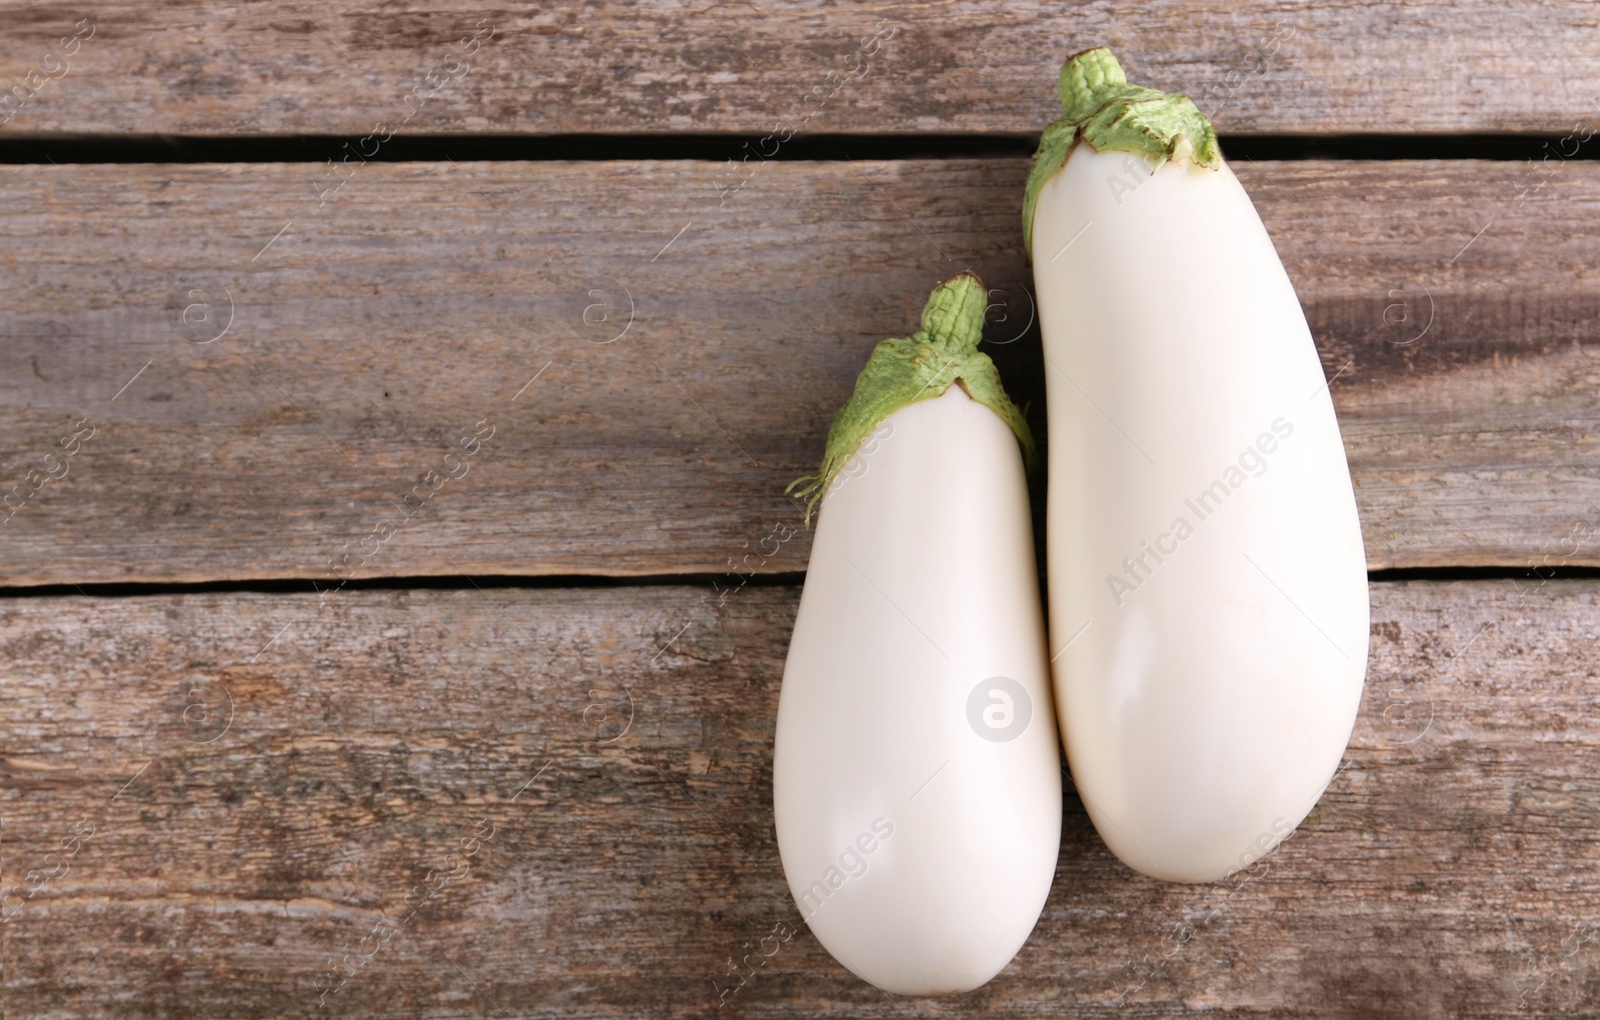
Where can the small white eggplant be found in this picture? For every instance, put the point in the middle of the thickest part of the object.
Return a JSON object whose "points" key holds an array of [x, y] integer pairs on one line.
{"points": [[917, 775], [1207, 580]]}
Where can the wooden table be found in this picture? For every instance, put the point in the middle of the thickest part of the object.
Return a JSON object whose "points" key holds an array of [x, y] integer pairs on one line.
{"points": [[395, 406]]}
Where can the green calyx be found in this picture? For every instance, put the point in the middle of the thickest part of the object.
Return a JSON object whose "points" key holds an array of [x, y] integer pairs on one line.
{"points": [[1099, 107], [901, 372]]}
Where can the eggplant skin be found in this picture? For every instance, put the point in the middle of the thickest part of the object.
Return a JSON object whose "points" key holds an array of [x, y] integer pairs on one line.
{"points": [[920, 844], [1206, 568]]}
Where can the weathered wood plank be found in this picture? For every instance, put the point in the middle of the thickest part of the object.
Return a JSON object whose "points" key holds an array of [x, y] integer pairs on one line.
{"points": [[426, 305], [237, 809], [340, 66]]}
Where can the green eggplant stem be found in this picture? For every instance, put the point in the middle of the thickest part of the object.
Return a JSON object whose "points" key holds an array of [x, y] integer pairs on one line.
{"points": [[1099, 107], [900, 372]]}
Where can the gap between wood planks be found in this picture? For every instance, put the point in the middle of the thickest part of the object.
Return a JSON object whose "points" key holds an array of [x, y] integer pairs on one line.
{"points": [[134, 148], [791, 578]]}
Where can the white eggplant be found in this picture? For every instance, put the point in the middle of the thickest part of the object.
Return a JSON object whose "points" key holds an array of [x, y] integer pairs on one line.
{"points": [[1207, 580], [917, 775]]}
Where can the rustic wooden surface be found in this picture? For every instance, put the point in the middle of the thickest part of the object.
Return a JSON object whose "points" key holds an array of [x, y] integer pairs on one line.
{"points": [[257, 806], [228, 802], [1453, 302], [336, 67]]}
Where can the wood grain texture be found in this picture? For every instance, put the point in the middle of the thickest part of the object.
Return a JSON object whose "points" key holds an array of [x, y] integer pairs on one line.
{"points": [[424, 305], [248, 784], [339, 66]]}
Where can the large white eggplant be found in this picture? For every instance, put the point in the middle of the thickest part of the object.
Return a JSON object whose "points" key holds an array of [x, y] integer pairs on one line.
{"points": [[1207, 581], [916, 779]]}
